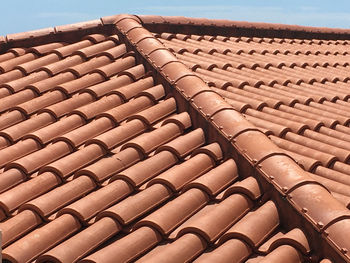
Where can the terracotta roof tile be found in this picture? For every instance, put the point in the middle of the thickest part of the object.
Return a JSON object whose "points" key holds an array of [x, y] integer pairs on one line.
{"points": [[143, 202], [34, 161], [78, 26], [77, 85], [325, 158], [64, 225], [20, 84], [16, 99], [49, 83], [11, 75], [183, 249], [232, 249], [50, 202], [29, 189], [50, 132], [11, 64], [210, 227], [19, 130], [10, 179], [143, 239], [46, 48], [97, 234], [284, 252], [113, 137], [70, 49], [152, 139]]}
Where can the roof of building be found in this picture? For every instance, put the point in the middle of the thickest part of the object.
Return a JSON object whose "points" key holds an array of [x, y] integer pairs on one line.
{"points": [[172, 139]]}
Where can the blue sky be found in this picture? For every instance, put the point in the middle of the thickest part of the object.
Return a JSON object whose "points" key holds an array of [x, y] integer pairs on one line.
{"points": [[24, 15]]}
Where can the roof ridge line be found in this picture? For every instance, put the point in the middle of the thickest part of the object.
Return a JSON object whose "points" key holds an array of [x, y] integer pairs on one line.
{"points": [[49, 32], [181, 20], [148, 20], [245, 138]]}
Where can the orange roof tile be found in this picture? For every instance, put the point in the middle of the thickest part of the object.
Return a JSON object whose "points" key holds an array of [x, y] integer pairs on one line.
{"points": [[153, 139]]}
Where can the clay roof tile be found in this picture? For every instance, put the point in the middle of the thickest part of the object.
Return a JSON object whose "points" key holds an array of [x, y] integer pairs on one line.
{"points": [[141, 129]]}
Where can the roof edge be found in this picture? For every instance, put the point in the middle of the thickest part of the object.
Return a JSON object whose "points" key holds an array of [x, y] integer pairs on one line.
{"points": [[262, 26], [250, 28], [48, 34]]}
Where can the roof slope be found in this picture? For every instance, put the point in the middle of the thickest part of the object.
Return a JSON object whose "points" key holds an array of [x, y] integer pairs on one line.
{"points": [[296, 91], [113, 148]]}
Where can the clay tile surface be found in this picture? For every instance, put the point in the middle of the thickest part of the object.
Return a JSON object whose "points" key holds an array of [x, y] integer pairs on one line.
{"points": [[172, 139]]}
